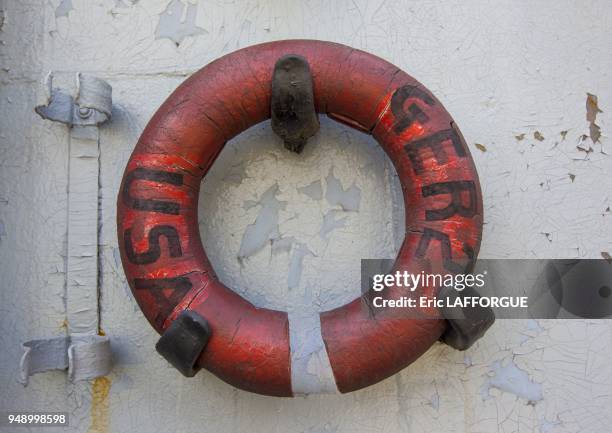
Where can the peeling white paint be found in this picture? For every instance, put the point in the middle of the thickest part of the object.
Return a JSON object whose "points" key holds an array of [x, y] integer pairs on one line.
{"points": [[63, 9], [311, 371], [178, 21], [336, 195], [265, 227], [296, 264], [435, 401], [313, 190], [330, 223], [507, 377]]}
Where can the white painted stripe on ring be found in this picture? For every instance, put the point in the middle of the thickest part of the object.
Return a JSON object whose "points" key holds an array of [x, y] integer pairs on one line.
{"points": [[311, 371]]}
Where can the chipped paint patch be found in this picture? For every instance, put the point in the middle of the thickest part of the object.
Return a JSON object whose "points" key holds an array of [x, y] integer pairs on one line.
{"points": [[63, 9], [313, 190], [125, 3], [330, 223], [282, 244], [511, 379], [265, 227], [178, 22], [236, 174], [548, 426], [298, 251], [532, 329], [295, 265], [434, 401], [534, 325], [348, 199]]}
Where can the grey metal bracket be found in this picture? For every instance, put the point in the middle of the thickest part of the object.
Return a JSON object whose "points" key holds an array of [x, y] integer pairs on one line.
{"points": [[465, 325], [85, 357], [183, 342], [92, 105], [293, 114], [83, 352]]}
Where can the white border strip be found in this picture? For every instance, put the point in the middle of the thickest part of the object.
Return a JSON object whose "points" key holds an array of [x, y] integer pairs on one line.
{"points": [[311, 371]]}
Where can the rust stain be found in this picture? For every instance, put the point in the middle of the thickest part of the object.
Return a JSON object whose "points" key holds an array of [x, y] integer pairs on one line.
{"points": [[592, 110], [538, 136], [100, 413], [480, 147], [519, 137]]}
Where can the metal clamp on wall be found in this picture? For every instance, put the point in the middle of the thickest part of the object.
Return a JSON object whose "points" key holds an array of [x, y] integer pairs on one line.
{"points": [[467, 324], [85, 357], [83, 352], [92, 105]]}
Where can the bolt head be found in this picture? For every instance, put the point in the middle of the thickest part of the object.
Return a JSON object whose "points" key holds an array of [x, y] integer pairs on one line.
{"points": [[84, 112]]}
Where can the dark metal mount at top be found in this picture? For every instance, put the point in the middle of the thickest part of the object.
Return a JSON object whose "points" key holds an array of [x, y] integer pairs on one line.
{"points": [[294, 118]]}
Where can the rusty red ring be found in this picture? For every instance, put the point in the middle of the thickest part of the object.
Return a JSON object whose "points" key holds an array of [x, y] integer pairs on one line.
{"points": [[165, 262]]}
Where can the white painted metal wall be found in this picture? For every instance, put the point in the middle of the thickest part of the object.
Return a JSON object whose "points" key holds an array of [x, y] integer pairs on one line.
{"points": [[505, 70]]}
